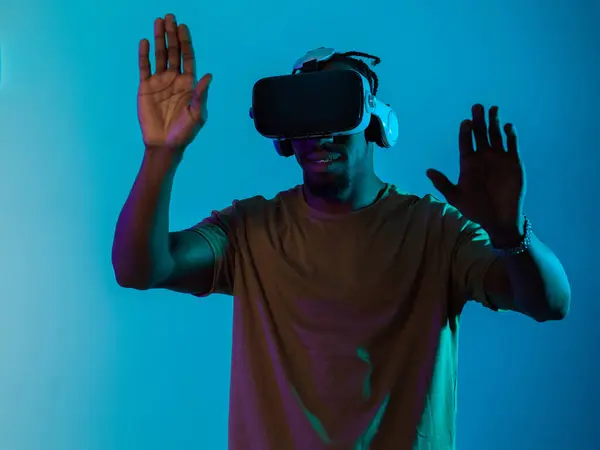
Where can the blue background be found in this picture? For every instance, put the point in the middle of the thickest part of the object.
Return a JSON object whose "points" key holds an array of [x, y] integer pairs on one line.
{"points": [[86, 365]]}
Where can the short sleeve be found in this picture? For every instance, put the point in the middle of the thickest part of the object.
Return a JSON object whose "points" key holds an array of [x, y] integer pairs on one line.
{"points": [[219, 230], [471, 255]]}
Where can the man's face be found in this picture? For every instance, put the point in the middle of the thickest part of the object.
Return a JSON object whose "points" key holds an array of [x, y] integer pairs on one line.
{"points": [[329, 167]]}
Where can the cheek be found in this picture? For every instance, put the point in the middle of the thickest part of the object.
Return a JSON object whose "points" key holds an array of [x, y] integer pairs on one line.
{"points": [[302, 147], [358, 142], [297, 151], [358, 157]]}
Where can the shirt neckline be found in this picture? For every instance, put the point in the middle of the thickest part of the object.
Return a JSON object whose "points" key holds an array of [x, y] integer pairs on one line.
{"points": [[389, 192]]}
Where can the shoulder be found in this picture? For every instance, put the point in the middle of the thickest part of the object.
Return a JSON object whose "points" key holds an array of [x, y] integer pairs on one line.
{"points": [[434, 206], [260, 205], [442, 213], [426, 205], [433, 216], [451, 225]]}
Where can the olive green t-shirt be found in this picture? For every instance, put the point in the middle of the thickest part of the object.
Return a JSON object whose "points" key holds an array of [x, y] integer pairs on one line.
{"points": [[345, 329]]}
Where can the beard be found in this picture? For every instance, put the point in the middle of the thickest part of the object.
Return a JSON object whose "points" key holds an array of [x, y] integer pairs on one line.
{"points": [[327, 185]]}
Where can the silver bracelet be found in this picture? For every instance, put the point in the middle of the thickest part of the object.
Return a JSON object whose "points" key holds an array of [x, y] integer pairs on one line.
{"points": [[522, 247]]}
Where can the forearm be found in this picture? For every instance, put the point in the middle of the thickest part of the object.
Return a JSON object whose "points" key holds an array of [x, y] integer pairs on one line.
{"points": [[140, 253], [538, 283]]}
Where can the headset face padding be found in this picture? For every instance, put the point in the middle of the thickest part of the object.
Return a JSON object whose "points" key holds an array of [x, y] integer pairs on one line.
{"points": [[372, 134]]}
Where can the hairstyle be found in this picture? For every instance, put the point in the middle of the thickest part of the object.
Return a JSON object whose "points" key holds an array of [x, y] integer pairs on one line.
{"points": [[359, 65]]}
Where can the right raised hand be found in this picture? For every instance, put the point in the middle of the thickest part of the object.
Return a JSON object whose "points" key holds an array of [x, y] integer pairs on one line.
{"points": [[171, 105]]}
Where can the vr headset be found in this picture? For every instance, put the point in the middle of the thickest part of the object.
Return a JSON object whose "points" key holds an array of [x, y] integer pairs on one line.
{"points": [[314, 104]]}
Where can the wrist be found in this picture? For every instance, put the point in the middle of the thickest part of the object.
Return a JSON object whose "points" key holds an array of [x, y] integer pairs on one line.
{"points": [[507, 239], [163, 156], [508, 236], [512, 241]]}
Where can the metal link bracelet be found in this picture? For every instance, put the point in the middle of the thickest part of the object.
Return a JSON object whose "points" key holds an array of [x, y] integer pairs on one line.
{"points": [[522, 247]]}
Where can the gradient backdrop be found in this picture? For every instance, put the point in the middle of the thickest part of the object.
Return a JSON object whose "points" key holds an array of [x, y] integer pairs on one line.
{"points": [[86, 365]]}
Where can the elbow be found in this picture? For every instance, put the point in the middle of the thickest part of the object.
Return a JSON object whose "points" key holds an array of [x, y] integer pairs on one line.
{"points": [[130, 279], [140, 277], [558, 310], [562, 304], [558, 301], [131, 282], [561, 312], [551, 316], [131, 273]]}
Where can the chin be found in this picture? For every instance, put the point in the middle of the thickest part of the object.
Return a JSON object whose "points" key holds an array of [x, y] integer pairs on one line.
{"points": [[326, 184]]}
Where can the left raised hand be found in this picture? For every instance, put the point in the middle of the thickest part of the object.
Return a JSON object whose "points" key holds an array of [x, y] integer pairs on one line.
{"points": [[491, 184]]}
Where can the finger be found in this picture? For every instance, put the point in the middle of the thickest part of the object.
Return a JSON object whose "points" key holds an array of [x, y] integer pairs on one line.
{"points": [[511, 139], [480, 128], [160, 47], [494, 129], [198, 107], [187, 50], [443, 184], [465, 138], [144, 59], [173, 50]]}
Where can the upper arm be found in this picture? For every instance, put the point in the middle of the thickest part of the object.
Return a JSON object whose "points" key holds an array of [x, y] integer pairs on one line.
{"points": [[478, 273], [193, 264], [498, 287], [474, 271], [471, 259], [204, 256]]}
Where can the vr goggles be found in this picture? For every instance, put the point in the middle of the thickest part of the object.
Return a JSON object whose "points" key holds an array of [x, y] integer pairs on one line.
{"points": [[314, 104]]}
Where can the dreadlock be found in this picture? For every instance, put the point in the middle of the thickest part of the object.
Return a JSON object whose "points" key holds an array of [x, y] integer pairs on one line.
{"points": [[359, 65]]}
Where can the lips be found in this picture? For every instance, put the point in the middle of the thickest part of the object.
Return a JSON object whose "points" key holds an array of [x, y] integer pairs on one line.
{"points": [[322, 156]]}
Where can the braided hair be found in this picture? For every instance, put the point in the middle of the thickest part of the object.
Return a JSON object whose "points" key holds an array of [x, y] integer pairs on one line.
{"points": [[360, 66]]}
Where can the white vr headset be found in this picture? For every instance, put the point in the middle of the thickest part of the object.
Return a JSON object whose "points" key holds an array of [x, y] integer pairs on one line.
{"points": [[320, 104]]}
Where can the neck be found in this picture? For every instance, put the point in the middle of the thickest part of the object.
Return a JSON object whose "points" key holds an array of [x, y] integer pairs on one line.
{"points": [[359, 194]]}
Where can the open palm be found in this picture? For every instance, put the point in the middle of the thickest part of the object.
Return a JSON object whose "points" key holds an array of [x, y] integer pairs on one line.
{"points": [[172, 107], [491, 184]]}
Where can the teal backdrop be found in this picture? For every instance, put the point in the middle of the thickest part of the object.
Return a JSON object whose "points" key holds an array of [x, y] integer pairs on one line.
{"points": [[87, 365]]}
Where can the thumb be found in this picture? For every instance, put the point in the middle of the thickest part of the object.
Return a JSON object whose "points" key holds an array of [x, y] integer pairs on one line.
{"points": [[443, 184], [199, 101]]}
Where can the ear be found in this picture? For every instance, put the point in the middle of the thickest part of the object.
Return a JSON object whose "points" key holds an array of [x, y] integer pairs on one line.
{"points": [[372, 133]]}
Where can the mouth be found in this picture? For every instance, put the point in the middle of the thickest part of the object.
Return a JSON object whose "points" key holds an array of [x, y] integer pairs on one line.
{"points": [[322, 158]]}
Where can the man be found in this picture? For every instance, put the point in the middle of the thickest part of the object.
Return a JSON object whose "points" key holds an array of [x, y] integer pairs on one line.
{"points": [[347, 292]]}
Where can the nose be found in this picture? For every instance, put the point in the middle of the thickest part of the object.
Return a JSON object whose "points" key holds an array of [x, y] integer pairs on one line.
{"points": [[322, 141]]}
